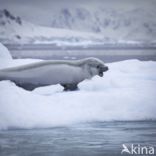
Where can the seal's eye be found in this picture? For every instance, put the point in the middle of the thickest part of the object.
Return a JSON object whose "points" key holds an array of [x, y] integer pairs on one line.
{"points": [[98, 66]]}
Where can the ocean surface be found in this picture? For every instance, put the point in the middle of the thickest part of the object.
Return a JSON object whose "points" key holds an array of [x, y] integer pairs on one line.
{"points": [[85, 139], [107, 54]]}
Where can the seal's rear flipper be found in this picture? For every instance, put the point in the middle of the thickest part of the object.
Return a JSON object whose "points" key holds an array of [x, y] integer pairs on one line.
{"points": [[70, 87]]}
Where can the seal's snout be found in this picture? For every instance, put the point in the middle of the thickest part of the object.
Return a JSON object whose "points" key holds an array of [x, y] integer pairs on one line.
{"points": [[105, 69]]}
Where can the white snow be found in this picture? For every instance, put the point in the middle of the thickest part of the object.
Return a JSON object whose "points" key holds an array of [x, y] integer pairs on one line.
{"points": [[4, 52], [126, 92], [5, 56]]}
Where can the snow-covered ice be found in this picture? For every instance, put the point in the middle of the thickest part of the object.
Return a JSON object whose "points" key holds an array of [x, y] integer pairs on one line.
{"points": [[126, 92], [4, 52]]}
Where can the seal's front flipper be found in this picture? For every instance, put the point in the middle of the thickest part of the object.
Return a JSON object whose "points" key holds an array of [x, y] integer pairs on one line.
{"points": [[70, 87]]}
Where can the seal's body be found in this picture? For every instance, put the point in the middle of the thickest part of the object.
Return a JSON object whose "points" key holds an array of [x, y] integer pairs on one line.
{"points": [[66, 73]]}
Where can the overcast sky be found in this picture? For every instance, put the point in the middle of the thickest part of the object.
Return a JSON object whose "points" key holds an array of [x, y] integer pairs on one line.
{"points": [[40, 11]]}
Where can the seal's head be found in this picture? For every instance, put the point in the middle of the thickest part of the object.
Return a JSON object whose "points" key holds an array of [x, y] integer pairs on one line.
{"points": [[95, 66]]}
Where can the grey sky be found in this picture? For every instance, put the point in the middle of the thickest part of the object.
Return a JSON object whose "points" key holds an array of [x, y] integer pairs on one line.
{"points": [[40, 11]]}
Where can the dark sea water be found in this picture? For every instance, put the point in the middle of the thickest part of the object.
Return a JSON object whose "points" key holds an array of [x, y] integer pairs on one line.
{"points": [[85, 139]]}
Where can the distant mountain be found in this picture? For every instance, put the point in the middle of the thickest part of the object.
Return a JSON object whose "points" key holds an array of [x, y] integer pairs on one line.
{"points": [[15, 30], [80, 26], [134, 25]]}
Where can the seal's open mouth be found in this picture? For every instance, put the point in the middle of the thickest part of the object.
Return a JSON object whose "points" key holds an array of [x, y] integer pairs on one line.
{"points": [[103, 69], [101, 73]]}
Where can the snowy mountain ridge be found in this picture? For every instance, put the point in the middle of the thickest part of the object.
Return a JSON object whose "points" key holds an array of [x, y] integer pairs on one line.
{"points": [[15, 30], [136, 24], [79, 26]]}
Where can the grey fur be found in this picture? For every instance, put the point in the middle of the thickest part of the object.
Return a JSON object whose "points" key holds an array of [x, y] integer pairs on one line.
{"points": [[67, 73]]}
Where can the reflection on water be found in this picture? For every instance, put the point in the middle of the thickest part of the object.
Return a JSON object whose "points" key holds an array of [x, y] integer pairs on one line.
{"points": [[87, 139]]}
